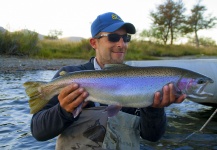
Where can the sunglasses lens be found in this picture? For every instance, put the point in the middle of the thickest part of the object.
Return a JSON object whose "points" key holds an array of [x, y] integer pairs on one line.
{"points": [[116, 37], [127, 38], [113, 37]]}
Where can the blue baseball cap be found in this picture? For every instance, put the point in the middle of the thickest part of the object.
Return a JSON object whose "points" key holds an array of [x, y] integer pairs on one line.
{"points": [[110, 22]]}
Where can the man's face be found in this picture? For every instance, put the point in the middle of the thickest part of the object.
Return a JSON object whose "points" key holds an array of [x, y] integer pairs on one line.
{"points": [[108, 52]]}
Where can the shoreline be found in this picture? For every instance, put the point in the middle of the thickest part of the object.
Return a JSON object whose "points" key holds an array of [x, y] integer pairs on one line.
{"points": [[15, 63]]}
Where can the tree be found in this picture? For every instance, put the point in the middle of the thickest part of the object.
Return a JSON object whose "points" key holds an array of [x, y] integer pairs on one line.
{"points": [[204, 41], [153, 35], [197, 21], [169, 19], [53, 34]]}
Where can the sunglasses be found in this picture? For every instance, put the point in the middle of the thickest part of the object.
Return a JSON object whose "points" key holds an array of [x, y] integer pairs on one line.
{"points": [[115, 37]]}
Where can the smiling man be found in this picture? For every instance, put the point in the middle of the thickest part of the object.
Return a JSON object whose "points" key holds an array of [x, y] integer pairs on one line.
{"points": [[93, 129]]}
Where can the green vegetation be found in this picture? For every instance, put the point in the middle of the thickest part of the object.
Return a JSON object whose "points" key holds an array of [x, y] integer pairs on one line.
{"points": [[169, 22], [141, 50], [27, 44], [19, 43], [53, 35], [64, 49]]}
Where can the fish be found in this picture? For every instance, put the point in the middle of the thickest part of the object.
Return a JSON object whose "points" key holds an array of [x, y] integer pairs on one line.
{"points": [[121, 85]]}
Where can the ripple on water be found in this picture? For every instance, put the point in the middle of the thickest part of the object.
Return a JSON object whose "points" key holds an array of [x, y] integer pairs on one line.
{"points": [[183, 119]]}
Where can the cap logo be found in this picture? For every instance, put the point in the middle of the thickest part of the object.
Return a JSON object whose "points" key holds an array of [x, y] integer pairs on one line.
{"points": [[116, 17]]}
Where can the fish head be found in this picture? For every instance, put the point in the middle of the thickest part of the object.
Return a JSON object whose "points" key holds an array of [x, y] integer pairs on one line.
{"points": [[193, 86]]}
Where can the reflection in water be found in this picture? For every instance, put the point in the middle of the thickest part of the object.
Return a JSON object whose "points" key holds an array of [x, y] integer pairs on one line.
{"points": [[183, 119]]}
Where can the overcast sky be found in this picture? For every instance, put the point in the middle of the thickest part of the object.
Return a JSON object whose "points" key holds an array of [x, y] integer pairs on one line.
{"points": [[74, 17]]}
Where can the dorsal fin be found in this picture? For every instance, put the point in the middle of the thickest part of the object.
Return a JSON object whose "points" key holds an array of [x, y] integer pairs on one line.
{"points": [[115, 66]]}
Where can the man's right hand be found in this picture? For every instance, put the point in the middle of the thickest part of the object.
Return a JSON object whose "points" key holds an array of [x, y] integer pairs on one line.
{"points": [[72, 96]]}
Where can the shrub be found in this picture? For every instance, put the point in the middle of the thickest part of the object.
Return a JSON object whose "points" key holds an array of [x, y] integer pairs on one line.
{"points": [[19, 43]]}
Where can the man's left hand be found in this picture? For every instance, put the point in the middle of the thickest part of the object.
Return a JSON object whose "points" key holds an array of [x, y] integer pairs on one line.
{"points": [[167, 98]]}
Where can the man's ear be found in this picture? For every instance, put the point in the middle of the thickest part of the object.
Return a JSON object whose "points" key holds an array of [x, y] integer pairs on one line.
{"points": [[93, 43]]}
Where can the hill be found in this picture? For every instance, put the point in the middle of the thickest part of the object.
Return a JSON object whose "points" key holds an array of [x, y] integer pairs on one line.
{"points": [[72, 39], [2, 29], [41, 36]]}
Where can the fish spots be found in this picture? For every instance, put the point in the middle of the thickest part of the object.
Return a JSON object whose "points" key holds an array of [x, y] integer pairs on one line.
{"points": [[121, 85]]}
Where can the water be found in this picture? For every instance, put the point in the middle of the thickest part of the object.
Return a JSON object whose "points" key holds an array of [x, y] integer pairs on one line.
{"points": [[14, 111], [183, 119]]}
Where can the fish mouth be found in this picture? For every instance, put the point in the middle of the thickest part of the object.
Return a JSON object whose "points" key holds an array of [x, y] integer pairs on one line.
{"points": [[210, 81], [200, 93]]}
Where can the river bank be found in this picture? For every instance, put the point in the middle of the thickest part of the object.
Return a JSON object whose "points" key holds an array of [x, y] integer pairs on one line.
{"points": [[13, 63]]}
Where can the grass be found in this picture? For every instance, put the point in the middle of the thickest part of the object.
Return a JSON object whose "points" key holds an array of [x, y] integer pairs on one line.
{"points": [[20, 43], [142, 50], [64, 49], [137, 50]]}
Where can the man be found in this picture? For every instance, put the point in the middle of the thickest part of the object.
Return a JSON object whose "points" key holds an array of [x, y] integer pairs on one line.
{"points": [[92, 128]]}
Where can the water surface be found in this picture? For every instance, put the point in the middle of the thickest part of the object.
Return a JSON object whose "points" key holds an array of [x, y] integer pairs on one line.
{"points": [[183, 119]]}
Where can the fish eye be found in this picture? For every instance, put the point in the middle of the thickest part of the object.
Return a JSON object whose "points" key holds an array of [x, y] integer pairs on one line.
{"points": [[200, 81]]}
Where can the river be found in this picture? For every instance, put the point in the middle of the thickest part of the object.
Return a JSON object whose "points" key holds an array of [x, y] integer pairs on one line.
{"points": [[183, 119]]}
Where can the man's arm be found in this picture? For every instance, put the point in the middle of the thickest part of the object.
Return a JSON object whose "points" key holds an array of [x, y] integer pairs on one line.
{"points": [[152, 123], [50, 121], [53, 118], [57, 114]]}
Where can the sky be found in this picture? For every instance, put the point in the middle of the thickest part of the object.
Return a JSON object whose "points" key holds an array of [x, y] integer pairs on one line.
{"points": [[74, 17]]}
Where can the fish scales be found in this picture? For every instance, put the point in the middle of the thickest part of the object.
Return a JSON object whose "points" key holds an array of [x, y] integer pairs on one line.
{"points": [[124, 85]]}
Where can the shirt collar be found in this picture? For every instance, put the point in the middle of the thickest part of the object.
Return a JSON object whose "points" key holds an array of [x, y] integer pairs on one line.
{"points": [[96, 65]]}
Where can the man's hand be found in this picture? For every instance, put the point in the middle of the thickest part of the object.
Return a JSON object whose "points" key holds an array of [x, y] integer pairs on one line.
{"points": [[167, 98], [71, 97]]}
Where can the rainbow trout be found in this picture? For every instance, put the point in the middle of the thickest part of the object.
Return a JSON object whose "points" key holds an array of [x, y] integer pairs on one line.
{"points": [[121, 85]]}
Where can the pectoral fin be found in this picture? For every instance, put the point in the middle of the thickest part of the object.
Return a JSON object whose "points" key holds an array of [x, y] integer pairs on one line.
{"points": [[112, 110], [77, 111]]}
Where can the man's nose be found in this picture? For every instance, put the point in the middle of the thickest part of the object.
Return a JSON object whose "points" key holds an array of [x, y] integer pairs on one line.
{"points": [[121, 42]]}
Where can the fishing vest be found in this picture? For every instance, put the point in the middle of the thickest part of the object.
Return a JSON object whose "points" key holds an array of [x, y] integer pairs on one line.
{"points": [[94, 130]]}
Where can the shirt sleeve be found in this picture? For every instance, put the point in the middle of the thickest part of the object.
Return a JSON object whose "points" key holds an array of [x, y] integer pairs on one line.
{"points": [[152, 123], [50, 121]]}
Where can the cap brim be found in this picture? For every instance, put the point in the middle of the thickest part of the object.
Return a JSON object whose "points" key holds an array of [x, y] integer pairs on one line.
{"points": [[129, 27]]}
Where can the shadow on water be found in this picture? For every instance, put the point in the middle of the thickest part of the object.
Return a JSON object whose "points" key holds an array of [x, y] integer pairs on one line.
{"points": [[183, 119]]}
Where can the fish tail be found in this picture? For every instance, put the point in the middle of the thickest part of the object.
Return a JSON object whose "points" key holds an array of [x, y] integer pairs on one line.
{"points": [[36, 101]]}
